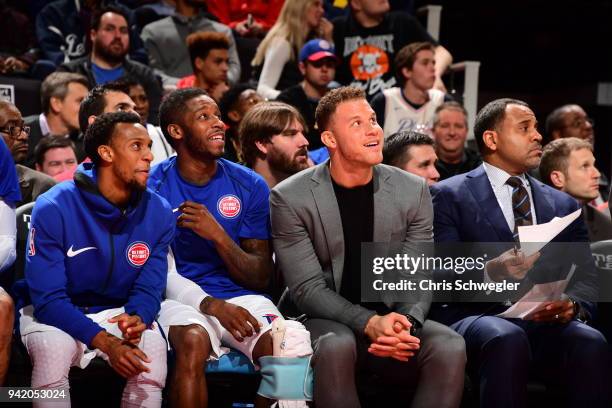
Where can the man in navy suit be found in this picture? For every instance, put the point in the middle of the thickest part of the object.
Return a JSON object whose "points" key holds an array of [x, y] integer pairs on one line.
{"points": [[487, 205]]}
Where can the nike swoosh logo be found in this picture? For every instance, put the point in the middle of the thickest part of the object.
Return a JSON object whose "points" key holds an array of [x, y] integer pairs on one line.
{"points": [[72, 253]]}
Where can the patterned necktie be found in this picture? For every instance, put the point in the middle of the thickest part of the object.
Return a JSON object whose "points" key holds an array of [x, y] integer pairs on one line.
{"points": [[521, 205]]}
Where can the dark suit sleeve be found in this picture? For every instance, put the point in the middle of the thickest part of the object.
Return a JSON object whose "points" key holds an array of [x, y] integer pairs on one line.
{"points": [[584, 286], [296, 257], [419, 230], [445, 224]]}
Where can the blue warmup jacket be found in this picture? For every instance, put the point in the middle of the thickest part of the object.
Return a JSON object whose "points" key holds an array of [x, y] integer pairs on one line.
{"points": [[85, 255]]}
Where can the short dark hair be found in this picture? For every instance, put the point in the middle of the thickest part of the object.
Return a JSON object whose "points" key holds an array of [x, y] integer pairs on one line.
{"points": [[263, 121], [95, 103], [555, 156], [101, 131], [56, 84], [200, 43], [173, 106], [396, 151], [328, 104], [407, 55], [230, 98], [51, 142], [489, 118], [97, 14]]}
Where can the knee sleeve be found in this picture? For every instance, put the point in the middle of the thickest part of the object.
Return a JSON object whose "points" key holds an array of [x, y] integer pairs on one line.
{"points": [[287, 375], [145, 389], [52, 354]]}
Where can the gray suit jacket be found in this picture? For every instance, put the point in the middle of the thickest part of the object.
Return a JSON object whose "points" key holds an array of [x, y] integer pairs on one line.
{"points": [[309, 242]]}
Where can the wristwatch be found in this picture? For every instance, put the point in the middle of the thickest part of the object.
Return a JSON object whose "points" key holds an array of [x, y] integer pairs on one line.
{"points": [[415, 326], [578, 312]]}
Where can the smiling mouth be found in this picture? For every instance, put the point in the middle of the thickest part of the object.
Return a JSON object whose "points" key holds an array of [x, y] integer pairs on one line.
{"points": [[372, 144], [217, 138]]}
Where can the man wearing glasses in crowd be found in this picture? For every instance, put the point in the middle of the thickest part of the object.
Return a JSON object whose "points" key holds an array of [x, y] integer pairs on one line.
{"points": [[15, 134]]}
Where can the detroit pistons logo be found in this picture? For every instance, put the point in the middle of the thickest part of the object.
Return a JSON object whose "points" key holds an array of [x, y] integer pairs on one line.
{"points": [[229, 206], [138, 253]]}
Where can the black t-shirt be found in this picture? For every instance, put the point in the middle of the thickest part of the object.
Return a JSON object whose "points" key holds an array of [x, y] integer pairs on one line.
{"points": [[367, 54], [296, 97], [357, 214], [471, 160]]}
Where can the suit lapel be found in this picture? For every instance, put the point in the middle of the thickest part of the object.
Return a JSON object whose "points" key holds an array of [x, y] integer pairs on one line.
{"points": [[383, 201], [544, 205], [479, 185], [327, 205]]}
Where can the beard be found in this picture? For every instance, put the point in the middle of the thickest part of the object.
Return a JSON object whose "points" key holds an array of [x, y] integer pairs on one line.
{"points": [[197, 147], [108, 55], [280, 161]]}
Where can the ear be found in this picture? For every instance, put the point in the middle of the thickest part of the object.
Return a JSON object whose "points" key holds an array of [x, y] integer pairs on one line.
{"points": [[55, 104], [106, 153], [38, 167], [406, 73], [234, 116], [328, 139], [176, 132], [355, 5], [92, 35], [302, 68], [557, 178], [261, 147], [490, 139], [199, 63]]}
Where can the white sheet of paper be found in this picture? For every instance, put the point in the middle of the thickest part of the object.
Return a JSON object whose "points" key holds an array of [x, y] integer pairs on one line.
{"points": [[535, 237], [535, 300]]}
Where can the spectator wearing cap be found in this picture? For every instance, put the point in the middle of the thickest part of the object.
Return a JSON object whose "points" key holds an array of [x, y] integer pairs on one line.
{"points": [[318, 66]]}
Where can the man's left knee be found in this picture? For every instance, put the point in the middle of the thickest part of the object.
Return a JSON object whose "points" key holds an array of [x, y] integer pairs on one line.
{"points": [[589, 342], [445, 345]]}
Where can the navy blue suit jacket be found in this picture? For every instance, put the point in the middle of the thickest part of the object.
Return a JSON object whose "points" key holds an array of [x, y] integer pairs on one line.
{"points": [[466, 210]]}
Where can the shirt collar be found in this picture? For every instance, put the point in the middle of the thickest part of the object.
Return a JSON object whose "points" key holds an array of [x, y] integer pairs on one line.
{"points": [[498, 177], [44, 126]]}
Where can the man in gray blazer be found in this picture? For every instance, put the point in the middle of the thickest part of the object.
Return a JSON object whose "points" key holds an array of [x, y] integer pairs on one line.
{"points": [[320, 216]]}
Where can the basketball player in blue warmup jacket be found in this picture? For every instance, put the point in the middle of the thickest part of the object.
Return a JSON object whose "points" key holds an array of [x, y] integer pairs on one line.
{"points": [[96, 267], [221, 242]]}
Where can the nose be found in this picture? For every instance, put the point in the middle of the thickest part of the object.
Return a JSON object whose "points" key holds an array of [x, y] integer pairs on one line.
{"points": [[596, 173], [23, 136], [302, 141], [433, 174], [219, 123], [148, 155], [537, 136]]}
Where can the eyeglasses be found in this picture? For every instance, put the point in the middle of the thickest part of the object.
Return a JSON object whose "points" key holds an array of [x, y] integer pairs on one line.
{"points": [[15, 130], [581, 122]]}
